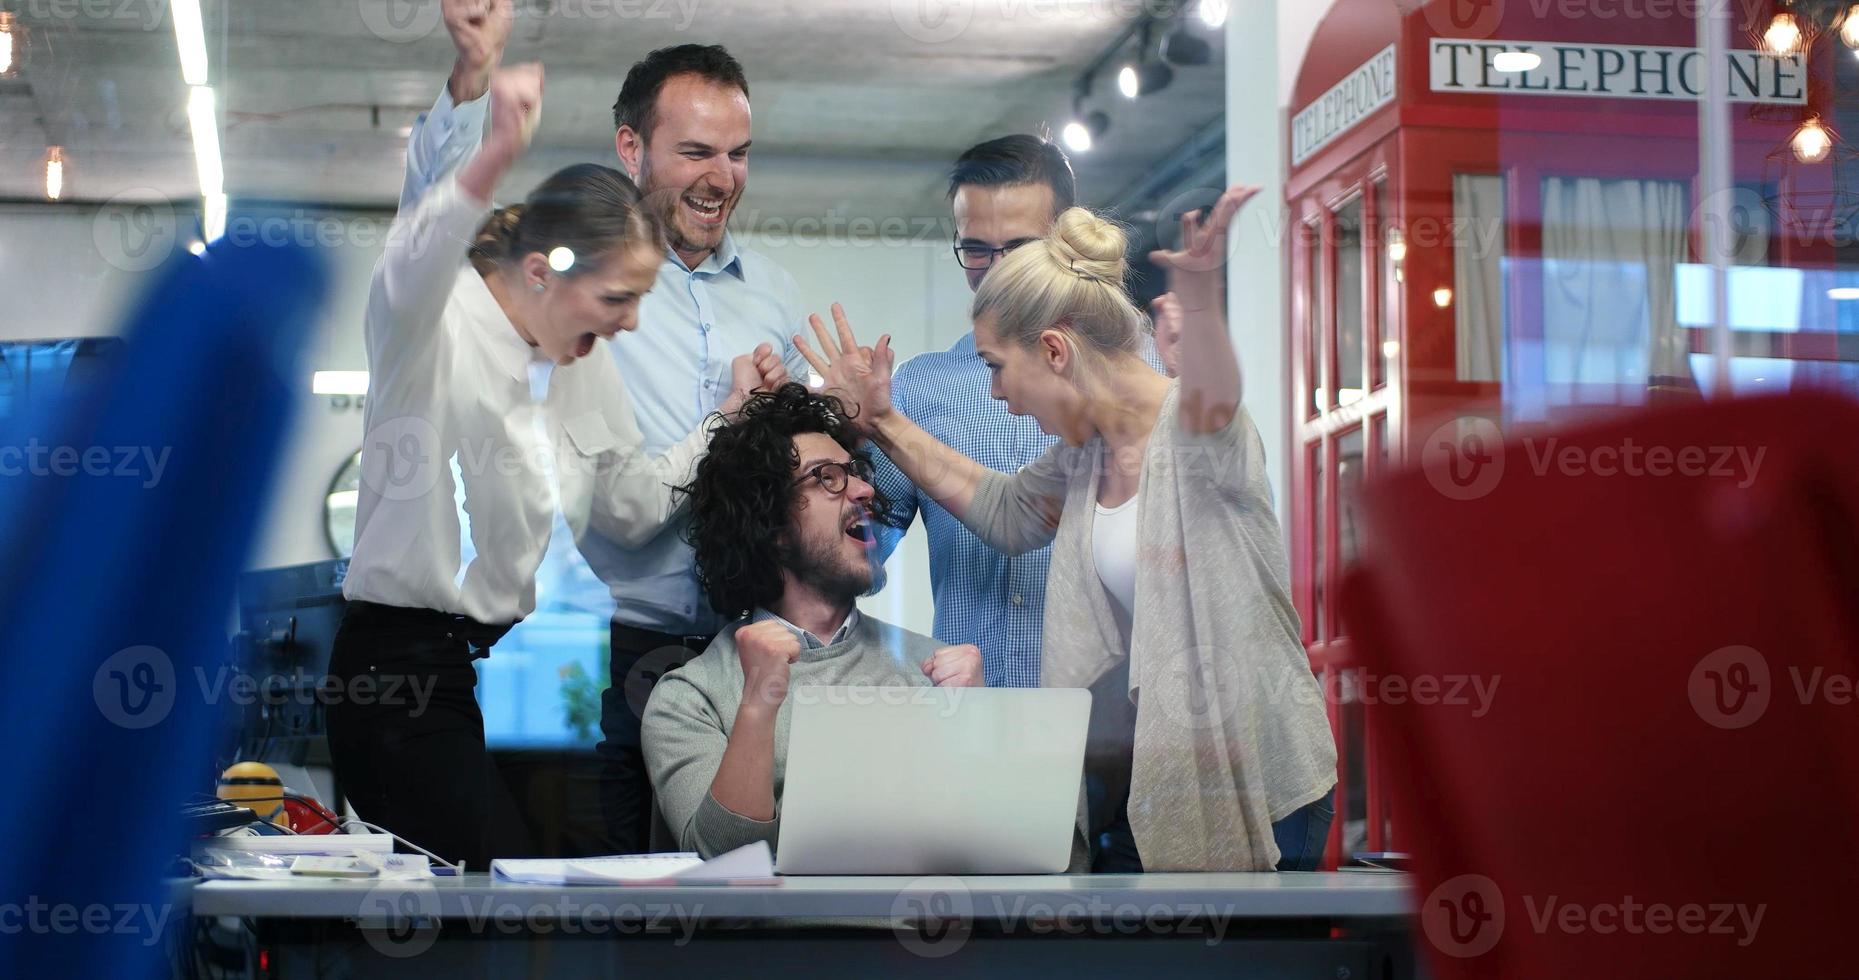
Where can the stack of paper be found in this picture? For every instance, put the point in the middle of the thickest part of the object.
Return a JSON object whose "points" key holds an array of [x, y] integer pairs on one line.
{"points": [[752, 864]]}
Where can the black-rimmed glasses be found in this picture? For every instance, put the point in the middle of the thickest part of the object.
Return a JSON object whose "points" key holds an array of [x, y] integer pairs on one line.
{"points": [[979, 255], [835, 476]]}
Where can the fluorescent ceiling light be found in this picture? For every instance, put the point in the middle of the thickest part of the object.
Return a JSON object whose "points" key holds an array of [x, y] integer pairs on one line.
{"points": [[213, 217], [339, 383], [192, 41], [200, 118], [191, 38]]}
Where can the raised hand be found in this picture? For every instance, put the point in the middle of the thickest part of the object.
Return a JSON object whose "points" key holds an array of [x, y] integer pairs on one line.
{"points": [[479, 29], [761, 370], [1165, 312], [956, 666], [1196, 270], [769, 367], [516, 105], [766, 649], [859, 376]]}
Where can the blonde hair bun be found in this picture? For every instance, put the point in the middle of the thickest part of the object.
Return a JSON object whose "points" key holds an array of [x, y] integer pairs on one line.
{"points": [[1072, 281], [1089, 245]]}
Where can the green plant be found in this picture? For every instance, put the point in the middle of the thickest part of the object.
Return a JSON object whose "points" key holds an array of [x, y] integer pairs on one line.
{"points": [[581, 693]]}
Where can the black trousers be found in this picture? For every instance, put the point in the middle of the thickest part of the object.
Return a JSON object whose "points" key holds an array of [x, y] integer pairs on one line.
{"points": [[639, 659], [406, 737]]}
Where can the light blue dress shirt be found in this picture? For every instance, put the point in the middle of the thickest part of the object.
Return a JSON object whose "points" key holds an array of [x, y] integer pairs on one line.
{"points": [[675, 366]]}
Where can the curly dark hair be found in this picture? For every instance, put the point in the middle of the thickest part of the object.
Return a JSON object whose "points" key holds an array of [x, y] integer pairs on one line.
{"points": [[743, 494]]}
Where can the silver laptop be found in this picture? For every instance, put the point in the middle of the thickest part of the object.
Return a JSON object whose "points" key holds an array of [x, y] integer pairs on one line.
{"points": [[931, 780]]}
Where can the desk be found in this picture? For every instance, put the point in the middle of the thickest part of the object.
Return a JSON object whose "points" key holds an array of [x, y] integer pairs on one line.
{"points": [[1339, 926]]}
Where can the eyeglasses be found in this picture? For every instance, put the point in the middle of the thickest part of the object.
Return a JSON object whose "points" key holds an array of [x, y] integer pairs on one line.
{"points": [[835, 476], [978, 256]]}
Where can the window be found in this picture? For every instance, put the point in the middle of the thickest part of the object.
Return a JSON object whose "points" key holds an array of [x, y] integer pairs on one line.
{"points": [[1313, 319], [1346, 294], [36, 374], [1478, 284], [1393, 253], [1611, 251], [1348, 490], [541, 686], [1319, 523], [1352, 742]]}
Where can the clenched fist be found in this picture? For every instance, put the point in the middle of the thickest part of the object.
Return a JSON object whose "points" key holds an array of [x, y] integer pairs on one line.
{"points": [[759, 371], [766, 649], [956, 666], [516, 107], [479, 29]]}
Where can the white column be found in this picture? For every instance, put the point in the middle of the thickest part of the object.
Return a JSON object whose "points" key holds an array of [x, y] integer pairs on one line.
{"points": [[1256, 273]]}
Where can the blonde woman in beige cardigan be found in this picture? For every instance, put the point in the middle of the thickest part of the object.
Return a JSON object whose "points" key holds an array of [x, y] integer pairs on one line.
{"points": [[1167, 559]]}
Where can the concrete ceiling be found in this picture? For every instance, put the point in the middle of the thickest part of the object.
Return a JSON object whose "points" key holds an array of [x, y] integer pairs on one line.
{"points": [[860, 105]]}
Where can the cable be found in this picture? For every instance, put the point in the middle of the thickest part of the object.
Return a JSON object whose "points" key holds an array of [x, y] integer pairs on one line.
{"points": [[458, 868]]}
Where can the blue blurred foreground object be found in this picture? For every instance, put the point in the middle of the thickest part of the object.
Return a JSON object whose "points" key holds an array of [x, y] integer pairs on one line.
{"points": [[121, 545]]}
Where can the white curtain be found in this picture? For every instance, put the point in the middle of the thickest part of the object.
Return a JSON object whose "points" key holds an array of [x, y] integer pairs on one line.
{"points": [[1478, 275], [1611, 249]]}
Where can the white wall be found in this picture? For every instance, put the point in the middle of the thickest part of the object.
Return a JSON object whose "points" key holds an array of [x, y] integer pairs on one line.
{"points": [[1296, 24], [916, 293], [54, 279], [1257, 271]]}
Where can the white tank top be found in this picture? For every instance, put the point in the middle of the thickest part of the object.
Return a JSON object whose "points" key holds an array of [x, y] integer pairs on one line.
{"points": [[1113, 546]]}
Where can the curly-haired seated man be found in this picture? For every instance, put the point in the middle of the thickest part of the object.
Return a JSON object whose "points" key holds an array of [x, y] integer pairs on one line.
{"points": [[781, 521]]}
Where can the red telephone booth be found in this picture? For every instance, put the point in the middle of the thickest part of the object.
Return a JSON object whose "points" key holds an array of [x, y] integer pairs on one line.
{"points": [[1498, 217]]}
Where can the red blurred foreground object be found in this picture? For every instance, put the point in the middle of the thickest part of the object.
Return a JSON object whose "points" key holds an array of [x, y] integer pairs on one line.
{"points": [[1665, 611]]}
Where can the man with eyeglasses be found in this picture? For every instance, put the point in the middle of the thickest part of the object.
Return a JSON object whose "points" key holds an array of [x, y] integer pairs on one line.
{"points": [[782, 515], [1005, 193]]}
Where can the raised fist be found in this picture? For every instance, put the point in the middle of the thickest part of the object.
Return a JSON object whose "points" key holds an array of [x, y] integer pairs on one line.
{"points": [[766, 649]]}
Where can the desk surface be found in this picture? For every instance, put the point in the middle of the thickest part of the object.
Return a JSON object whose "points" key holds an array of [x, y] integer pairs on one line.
{"points": [[980, 897]]}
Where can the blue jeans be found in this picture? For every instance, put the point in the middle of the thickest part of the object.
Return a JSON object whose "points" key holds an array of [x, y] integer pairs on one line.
{"points": [[1300, 836], [1303, 832]]}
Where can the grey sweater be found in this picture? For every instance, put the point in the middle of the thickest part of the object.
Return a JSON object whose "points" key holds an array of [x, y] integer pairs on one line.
{"points": [[1231, 730], [688, 720]]}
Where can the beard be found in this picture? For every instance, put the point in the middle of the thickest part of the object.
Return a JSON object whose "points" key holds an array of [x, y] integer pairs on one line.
{"points": [[695, 238], [820, 566], [682, 233]]}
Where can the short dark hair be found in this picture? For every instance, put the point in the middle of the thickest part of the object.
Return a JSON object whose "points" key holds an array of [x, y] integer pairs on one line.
{"points": [[743, 493], [587, 208], [638, 98], [1018, 159]]}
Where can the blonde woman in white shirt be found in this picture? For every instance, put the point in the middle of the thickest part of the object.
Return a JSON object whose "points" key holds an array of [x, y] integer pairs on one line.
{"points": [[1167, 561], [487, 362]]}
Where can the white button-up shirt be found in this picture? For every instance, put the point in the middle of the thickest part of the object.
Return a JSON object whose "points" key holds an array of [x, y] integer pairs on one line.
{"points": [[450, 379]]}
